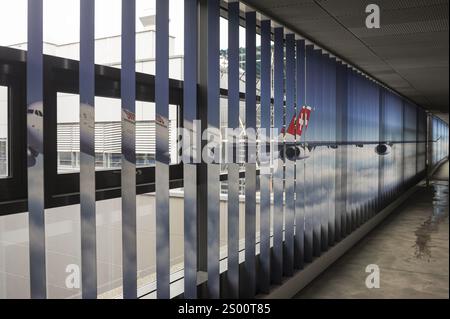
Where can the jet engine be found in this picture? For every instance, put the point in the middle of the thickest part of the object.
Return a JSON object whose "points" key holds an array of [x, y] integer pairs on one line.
{"points": [[383, 149], [293, 153]]}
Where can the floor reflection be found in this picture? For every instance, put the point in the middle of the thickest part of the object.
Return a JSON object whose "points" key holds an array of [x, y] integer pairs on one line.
{"points": [[431, 225]]}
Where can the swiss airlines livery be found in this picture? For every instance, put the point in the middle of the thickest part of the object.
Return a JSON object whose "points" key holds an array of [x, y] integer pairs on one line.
{"points": [[292, 147]]}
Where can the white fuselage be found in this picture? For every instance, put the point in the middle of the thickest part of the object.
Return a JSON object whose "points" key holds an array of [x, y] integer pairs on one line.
{"points": [[35, 122]]}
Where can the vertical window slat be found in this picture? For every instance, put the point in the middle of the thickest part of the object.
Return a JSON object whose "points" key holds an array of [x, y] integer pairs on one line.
{"points": [[265, 177], [332, 134], [87, 150], [233, 166], [358, 158], [213, 167], [162, 157], [190, 168], [340, 222], [250, 165], [308, 165], [300, 165], [128, 96], [277, 261], [35, 150], [348, 173], [323, 152], [316, 156], [290, 110]]}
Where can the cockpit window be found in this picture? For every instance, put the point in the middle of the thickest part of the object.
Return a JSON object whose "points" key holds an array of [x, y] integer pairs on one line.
{"points": [[30, 111], [38, 113]]}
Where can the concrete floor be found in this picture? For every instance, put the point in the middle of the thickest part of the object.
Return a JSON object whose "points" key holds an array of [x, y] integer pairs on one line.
{"points": [[411, 249]]}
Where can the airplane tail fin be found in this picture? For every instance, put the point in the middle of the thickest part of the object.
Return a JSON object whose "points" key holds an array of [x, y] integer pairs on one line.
{"points": [[291, 128], [303, 119], [298, 124]]}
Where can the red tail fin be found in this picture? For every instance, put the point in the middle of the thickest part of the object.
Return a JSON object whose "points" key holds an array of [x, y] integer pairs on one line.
{"points": [[303, 119], [291, 127]]}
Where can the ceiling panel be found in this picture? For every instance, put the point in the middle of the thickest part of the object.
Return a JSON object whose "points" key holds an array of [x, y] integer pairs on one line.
{"points": [[408, 53]]}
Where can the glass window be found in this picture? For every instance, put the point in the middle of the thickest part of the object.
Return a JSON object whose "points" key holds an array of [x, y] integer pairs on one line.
{"points": [[108, 132], [145, 159], [115, 160], [65, 160], [4, 169]]}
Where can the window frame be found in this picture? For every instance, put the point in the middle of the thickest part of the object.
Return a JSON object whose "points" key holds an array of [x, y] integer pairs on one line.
{"points": [[14, 186], [64, 188], [61, 75]]}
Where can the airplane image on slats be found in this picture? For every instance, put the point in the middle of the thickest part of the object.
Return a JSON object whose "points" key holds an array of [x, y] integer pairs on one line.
{"points": [[296, 149]]}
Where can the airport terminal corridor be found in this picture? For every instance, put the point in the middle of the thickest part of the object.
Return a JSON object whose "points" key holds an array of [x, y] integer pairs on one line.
{"points": [[224, 149]]}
